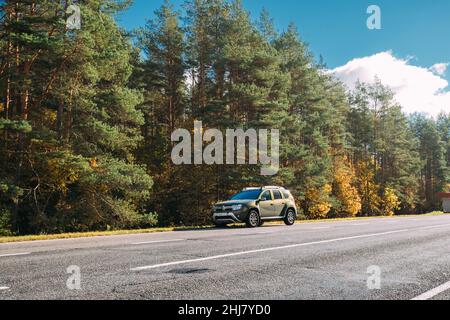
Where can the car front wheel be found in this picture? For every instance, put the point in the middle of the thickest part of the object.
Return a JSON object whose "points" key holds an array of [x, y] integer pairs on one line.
{"points": [[253, 219], [289, 220]]}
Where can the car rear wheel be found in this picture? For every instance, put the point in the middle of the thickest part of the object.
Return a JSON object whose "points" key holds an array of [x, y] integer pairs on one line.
{"points": [[253, 219], [289, 219]]}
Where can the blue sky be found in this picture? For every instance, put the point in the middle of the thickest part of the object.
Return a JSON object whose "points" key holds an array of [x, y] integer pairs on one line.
{"points": [[415, 33]]}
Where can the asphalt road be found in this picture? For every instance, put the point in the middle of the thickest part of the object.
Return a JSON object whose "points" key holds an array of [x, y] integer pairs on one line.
{"points": [[328, 260]]}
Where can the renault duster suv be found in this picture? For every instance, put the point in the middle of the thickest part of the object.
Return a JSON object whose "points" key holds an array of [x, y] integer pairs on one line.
{"points": [[254, 206]]}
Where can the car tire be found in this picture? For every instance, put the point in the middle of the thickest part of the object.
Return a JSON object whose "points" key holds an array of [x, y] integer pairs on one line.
{"points": [[261, 223], [290, 218], [253, 219]]}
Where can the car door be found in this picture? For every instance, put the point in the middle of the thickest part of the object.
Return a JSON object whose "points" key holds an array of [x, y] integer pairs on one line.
{"points": [[279, 203], [266, 205]]}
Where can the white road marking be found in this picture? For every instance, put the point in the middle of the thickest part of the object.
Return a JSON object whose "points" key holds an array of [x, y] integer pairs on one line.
{"points": [[14, 254], [4, 288], [320, 228], [438, 226], [157, 241], [264, 250], [434, 292]]}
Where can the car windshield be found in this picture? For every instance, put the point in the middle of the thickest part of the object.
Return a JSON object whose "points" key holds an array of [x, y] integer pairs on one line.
{"points": [[247, 195]]}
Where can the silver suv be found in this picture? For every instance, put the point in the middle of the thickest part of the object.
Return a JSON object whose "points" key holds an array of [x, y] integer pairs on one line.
{"points": [[254, 206]]}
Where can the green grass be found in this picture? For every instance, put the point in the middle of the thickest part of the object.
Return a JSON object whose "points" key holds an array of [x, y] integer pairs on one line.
{"points": [[170, 229]]}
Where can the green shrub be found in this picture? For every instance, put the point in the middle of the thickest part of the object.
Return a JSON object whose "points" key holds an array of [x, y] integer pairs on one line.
{"points": [[5, 223], [148, 220]]}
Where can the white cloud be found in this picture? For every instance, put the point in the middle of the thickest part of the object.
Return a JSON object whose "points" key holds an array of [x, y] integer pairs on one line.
{"points": [[439, 68], [417, 89]]}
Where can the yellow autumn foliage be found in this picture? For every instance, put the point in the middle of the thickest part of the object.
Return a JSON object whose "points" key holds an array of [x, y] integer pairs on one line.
{"points": [[376, 199], [60, 175], [49, 115], [345, 191], [318, 201], [93, 162], [370, 200], [390, 202]]}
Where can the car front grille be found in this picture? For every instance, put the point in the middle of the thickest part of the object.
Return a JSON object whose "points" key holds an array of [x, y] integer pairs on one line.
{"points": [[223, 209]]}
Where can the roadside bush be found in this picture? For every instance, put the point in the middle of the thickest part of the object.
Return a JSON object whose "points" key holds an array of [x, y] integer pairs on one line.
{"points": [[148, 220], [5, 223]]}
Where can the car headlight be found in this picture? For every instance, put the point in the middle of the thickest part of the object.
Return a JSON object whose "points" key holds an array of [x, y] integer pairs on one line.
{"points": [[237, 207]]}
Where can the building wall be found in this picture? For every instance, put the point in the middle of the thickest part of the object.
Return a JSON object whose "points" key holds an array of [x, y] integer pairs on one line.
{"points": [[446, 205]]}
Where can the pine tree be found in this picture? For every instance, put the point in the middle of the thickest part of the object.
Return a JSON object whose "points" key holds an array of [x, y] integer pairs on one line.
{"points": [[434, 176], [344, 190], [315, 124], [74, 163], [443, 124], [163, 44], [383, 143]]}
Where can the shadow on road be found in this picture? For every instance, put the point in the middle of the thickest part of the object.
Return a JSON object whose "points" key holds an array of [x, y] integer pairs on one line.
{"points": [[234, 227]]}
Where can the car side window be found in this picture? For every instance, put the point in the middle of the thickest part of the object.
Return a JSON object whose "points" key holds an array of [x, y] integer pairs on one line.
{"points": [[286, 194], [277, 195], [266, 196]]}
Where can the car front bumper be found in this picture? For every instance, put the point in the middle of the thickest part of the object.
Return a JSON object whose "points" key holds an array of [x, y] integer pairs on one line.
{"points": [[227, 217]]}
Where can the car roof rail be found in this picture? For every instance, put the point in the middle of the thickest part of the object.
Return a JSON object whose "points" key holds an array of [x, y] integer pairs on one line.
{"points": [[251, 188], [272, 187]]}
